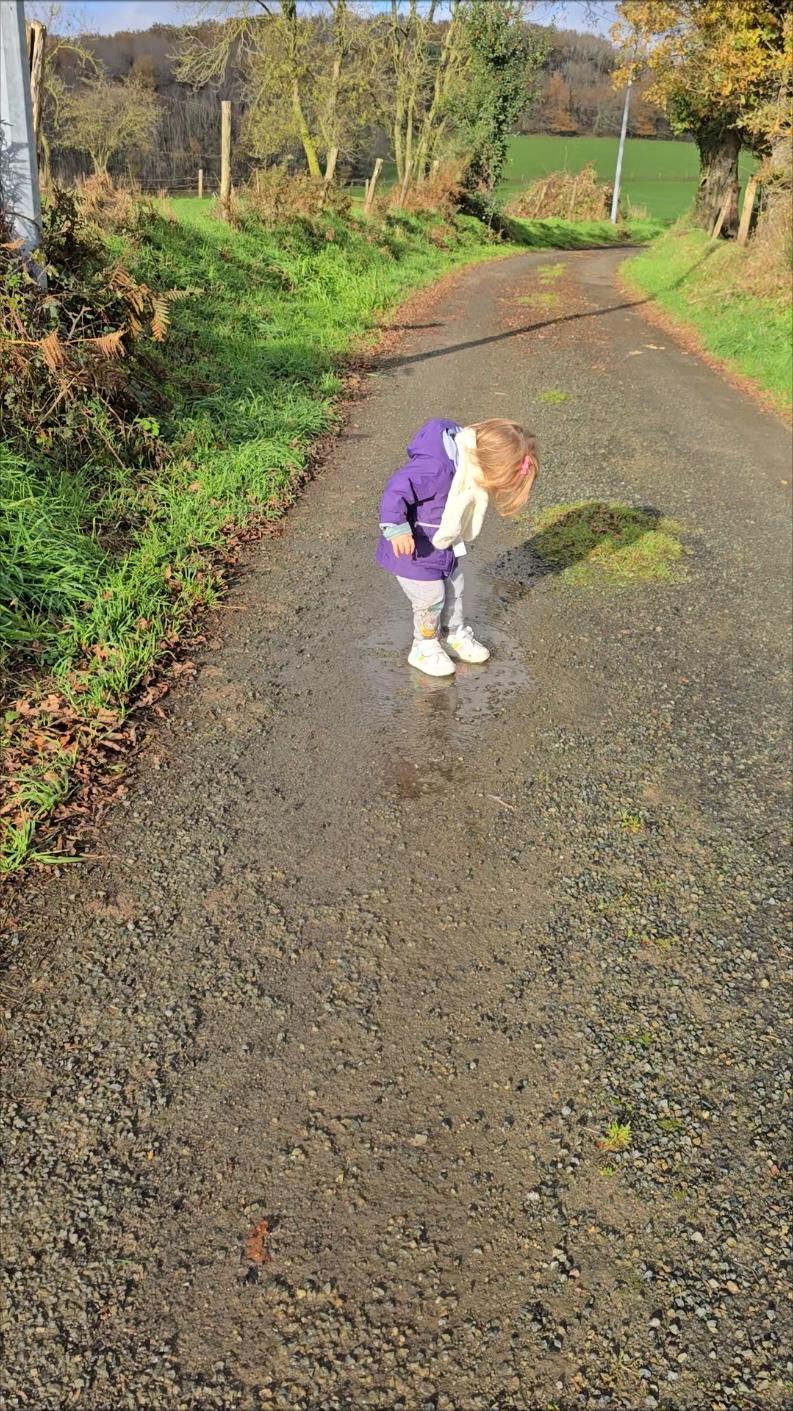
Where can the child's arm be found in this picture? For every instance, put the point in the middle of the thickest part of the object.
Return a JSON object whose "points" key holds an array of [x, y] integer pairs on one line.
{"points": [[398, 495]]}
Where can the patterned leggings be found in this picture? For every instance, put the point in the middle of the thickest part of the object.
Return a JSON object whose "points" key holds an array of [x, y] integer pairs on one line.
{"points": [[437, 603]]}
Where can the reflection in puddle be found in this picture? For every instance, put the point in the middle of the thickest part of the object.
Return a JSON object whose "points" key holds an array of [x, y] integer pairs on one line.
{"points": [[431, 714]]}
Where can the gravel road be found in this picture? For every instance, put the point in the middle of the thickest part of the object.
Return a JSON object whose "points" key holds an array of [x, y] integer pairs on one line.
{"points": [[307, 1102]]}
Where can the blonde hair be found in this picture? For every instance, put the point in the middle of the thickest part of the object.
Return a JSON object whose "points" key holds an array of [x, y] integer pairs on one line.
{"points": [[507, 458]]}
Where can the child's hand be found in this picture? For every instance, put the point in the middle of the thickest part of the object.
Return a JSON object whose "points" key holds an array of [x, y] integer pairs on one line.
{"points": [[403, 544]]}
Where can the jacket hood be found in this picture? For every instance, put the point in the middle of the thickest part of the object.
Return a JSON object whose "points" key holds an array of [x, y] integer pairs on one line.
{"points": [[428, 440]]}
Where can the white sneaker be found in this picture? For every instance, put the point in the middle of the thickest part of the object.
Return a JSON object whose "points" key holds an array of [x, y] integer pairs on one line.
{"points": [[465, 646], [431, 658]]}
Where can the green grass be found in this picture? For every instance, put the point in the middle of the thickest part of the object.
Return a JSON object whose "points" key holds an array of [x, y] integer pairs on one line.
{"points": [[577, 235], [659, 176], [701, 284], [592, 542], [618, 1137]]}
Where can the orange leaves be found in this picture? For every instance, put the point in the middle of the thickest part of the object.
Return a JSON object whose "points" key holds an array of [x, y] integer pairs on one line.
{"points": [[256, 1243], [110, 345], [52, 350], [714, 61], [134, 294], [161, 318]]}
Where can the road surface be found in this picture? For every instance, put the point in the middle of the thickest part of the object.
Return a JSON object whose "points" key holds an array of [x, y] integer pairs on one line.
{"points": [[308, 1101]]}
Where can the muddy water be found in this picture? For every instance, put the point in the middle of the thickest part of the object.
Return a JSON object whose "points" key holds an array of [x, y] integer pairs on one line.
{"points": [[431, 718]]}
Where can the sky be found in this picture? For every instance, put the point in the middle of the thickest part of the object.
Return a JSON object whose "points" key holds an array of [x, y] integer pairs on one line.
{"points": [[107, 16]]}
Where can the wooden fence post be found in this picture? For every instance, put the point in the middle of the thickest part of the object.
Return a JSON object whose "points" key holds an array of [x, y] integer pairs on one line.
{"points": [[372, 186], [716, 231], [225, 158], [37, 40], [748, 208], [200, 183]]}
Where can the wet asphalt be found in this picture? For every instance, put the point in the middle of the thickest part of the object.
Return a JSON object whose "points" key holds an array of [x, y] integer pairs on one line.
{"points": [[308, 1096]]}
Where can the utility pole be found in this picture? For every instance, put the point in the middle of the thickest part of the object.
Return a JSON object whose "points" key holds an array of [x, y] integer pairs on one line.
{"points": [[19, 175], [615, 200]]}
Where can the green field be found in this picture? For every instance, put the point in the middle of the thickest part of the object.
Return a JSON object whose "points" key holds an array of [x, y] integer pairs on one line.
{"points": [[660, 176]]}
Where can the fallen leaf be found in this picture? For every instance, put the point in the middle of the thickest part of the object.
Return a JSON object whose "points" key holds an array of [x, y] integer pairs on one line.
{"points": [[255, 1244]]}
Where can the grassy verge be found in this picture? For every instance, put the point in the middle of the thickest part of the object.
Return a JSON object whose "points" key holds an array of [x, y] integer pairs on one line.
{"points": [[702, 285], [109, 564]]}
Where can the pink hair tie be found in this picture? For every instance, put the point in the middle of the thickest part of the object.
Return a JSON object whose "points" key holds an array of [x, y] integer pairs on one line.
{"points": [[525, 465]]}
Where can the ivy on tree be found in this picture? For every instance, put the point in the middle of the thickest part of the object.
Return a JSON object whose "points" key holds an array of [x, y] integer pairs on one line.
{"points": [[504, 57]]}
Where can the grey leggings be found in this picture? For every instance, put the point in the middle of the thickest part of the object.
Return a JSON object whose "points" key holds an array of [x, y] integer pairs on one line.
{"points": [[437, 603]]}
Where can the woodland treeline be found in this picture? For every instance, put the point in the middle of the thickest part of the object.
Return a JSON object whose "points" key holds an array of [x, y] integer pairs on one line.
{"points": [[569, 91]]}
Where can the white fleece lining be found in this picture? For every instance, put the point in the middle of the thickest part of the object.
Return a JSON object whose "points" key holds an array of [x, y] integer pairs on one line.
{"points": [[464, 512]]}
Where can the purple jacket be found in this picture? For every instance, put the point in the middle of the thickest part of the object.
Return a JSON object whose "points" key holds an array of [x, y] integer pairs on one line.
{"points": [[416, 495]]}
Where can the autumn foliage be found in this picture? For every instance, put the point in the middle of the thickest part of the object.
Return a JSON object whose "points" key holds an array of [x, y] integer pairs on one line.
{"points": [[721, 71]]}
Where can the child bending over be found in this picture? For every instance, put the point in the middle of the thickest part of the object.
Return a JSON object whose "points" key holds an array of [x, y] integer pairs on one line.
{"points": [[431, 508]]}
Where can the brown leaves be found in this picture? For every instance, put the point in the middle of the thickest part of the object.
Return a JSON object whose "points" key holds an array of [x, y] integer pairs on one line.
{"points": [[256, 1244], [134, 294], [52, 350], [161, 317], [110, 345]]}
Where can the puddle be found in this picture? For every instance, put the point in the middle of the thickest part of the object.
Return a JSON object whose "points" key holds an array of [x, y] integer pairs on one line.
{"points": [[432, 715], [407, 779]]}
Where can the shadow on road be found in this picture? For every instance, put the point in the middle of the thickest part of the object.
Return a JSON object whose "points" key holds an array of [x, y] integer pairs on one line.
{"points": [[570, 539], [384, 364]]}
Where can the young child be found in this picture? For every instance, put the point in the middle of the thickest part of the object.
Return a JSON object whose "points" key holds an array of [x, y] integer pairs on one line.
{"points": [[432, 507]]}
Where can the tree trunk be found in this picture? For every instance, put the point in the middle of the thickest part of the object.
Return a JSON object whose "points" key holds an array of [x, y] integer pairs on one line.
{"points": [[779, 179], [399, 118], [309, 146], [718, 178]]}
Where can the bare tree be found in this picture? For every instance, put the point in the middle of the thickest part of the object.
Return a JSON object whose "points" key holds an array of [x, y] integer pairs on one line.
{"points": [[108, 120], [308, 78]]}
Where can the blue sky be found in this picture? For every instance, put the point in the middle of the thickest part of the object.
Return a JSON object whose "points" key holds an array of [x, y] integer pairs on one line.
{"points": [[106, 16]]}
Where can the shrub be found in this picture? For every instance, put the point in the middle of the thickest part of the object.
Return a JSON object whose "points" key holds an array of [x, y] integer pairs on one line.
{"points": [[769, 262], [115, 209], [275, 196], [566, 196], [439, 193], [72, 383]]}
